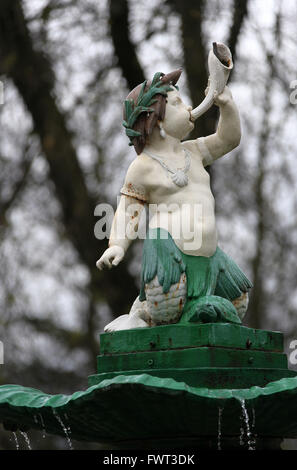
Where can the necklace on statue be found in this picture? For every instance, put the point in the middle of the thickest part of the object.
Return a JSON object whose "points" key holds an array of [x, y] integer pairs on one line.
{"points": [[179, 176]]}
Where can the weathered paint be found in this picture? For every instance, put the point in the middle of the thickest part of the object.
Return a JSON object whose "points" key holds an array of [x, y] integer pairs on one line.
{"points": [[191, 335], [191, 358], [213, 355]]}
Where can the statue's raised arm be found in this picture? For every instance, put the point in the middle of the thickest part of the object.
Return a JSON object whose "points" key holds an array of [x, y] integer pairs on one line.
{"points": [[228, 134]]}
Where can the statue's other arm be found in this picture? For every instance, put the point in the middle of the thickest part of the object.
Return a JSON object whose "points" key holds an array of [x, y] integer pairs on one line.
{"points": [[228, 134], [126, 219]]}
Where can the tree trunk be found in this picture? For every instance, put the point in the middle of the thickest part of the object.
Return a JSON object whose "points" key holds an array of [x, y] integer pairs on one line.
{"points": [[32, 74]]}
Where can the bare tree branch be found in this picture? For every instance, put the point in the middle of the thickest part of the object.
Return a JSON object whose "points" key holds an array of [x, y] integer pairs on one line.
{"points": [[18, 187], [33, 76], [195, 58], [240, 12], [124, 48]]}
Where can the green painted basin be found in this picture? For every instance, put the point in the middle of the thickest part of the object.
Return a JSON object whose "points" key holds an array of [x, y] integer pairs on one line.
{"points": [[148, 407], [170, 383]]}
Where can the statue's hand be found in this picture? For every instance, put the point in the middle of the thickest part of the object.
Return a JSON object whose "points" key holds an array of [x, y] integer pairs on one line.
{"points": [[111, 257], [224, 98]]}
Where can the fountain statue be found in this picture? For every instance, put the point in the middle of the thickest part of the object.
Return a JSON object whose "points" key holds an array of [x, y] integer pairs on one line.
{"points": [[185, 275], [205, 379]]}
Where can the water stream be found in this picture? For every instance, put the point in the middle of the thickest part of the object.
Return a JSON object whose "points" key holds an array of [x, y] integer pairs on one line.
{"points": [[220, 428], [43, 426], [65, 429], [26, 437], [241, 437], [254, 419], [40, 418], [247, 433], [68, 427], [16, 441]]}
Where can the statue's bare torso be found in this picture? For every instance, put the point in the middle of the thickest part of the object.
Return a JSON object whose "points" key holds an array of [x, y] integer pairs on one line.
{"points": [[186, 212]]}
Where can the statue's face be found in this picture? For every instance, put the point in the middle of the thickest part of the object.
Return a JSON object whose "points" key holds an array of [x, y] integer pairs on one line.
{"points": [[177, 121]]}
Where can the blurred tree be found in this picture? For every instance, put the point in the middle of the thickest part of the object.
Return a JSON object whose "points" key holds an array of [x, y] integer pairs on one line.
{"points": [[34, 78], [195, 53]]}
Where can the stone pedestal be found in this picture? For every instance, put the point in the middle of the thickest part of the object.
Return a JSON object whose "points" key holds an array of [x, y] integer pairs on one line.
{"points": [[213, 355]]}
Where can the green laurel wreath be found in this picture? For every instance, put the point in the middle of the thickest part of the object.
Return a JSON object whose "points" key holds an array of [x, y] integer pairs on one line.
{"points": [[144, 101]]}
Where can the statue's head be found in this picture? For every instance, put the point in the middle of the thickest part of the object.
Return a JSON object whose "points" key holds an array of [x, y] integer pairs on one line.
{"points": [[145, 107]]}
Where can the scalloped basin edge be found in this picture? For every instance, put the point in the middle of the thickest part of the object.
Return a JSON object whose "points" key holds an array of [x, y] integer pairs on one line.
{"points": [[148, 407]]}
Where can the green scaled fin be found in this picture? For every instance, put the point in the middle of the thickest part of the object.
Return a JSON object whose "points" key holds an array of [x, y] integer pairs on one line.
{"points": [[160, 258], [212, 308]]}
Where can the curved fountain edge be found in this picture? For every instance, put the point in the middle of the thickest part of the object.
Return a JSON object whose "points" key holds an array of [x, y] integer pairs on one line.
{"points": [[118, 409], [17, 395]]}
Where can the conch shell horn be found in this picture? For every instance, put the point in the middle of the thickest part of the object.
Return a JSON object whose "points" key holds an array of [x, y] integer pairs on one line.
{"points": [[219, 65]]}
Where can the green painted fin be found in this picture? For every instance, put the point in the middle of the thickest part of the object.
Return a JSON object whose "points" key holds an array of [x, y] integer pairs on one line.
{"points": [[211, 309], [217, 275], [161, 258]]}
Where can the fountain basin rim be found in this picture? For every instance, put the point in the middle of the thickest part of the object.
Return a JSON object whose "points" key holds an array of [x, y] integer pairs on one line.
{"points": [[19, 396]]}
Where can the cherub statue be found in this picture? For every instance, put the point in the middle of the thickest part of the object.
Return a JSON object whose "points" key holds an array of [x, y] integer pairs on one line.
{"points": [[185, 276]]}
